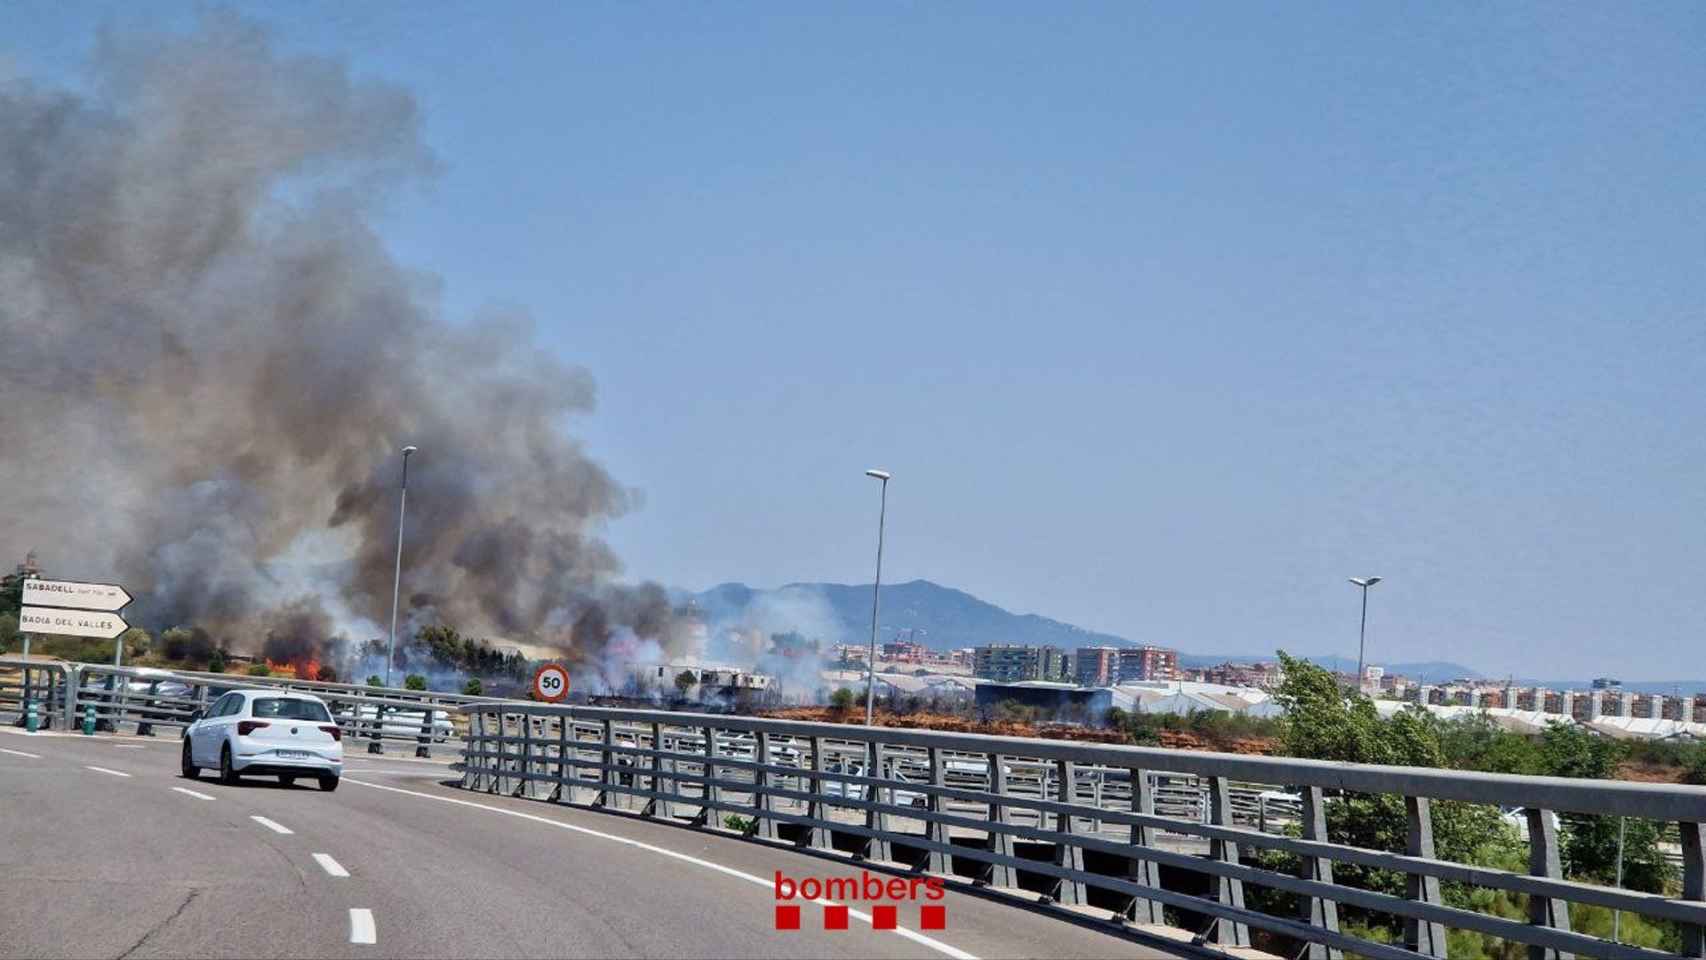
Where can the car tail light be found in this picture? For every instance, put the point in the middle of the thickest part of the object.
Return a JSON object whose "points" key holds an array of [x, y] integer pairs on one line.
{"points": [[246, 727], [332, 729]]}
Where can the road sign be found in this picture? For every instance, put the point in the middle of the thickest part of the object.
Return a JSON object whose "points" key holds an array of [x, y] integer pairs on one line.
{"points": [[71, 623], [551, 682], [67, 593]]}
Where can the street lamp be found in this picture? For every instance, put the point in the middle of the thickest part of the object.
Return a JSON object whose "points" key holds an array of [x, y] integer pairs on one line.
{"points": [[871, 661], [397, 580], [1362, 633]]}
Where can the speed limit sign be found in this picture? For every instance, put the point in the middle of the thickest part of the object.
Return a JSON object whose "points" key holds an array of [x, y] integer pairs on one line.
{"points": [[551, 683]]}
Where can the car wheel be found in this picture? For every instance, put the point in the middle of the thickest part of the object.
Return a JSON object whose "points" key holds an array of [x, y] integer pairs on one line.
{"points": [[190, 770], [287, 779], [227, 774], [328, 783]]}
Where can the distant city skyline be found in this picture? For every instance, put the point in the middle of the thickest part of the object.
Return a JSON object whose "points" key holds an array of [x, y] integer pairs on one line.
{"points": [[1165, 319]]}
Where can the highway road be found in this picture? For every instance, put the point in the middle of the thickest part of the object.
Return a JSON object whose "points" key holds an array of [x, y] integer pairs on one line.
{"points": [[105, 851]]}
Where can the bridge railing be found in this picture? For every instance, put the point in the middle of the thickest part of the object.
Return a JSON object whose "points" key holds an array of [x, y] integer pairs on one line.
{"points": [[143, 700], [1091, 826]]}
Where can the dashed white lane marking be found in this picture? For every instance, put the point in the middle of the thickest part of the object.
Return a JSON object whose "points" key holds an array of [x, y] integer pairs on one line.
{"points": [[127, 746], [361, 926], [192, 793], [274, 827], [116, 773], [20, 753], [329, 865], [912, 935]]}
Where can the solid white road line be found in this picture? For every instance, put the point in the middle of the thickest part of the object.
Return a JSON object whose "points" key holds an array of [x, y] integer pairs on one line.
{"points": [[192, 793], [329, 865], [20, 753], [912, 935], [361, 926], [127, 746], [274, 827], [116, 773]]}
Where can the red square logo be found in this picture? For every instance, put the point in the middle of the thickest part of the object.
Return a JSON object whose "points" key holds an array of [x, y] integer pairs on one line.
{"points": [[932, 916], [882, 916], [787, 916], [835, 916]]}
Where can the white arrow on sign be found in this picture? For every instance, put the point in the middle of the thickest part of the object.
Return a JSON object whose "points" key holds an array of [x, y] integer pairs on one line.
{"points": [[71, 623], [66, 593]]}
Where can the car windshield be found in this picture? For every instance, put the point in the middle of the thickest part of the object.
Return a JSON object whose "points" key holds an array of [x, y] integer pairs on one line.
{"points": [[286, 709]]}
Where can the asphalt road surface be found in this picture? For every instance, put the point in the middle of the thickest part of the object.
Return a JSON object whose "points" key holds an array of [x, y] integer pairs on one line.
{"points": [[105, 851]]}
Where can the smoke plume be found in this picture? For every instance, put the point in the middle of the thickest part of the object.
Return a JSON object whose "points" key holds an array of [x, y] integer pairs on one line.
{"points": [[211, 361]]}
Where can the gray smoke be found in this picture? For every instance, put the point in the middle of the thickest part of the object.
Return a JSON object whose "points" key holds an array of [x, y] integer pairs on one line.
{"points": [[210, 361]]}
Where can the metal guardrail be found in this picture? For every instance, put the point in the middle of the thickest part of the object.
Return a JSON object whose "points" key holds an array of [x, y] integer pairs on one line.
{"points": [[145, 699], [1086, 825]]}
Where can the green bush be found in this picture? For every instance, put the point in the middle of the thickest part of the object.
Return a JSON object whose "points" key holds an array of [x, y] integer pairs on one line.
{"points": [[375, 681], [841, 700], [414, 681], [472, 688], [259, 670], [216, 661]]}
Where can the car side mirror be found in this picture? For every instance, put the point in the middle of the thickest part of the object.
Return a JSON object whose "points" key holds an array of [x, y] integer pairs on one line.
{"points": [[195, 715]]}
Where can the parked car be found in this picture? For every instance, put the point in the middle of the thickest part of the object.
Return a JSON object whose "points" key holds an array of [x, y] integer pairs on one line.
{"points": [[399, 722], [265, 732], [857, 791]]}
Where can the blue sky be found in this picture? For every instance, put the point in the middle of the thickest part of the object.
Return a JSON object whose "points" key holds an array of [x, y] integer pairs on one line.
{"points": [[1166, 318]]}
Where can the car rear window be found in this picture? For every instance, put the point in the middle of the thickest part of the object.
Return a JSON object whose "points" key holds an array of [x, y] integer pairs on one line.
{"points": [[291, 709]]}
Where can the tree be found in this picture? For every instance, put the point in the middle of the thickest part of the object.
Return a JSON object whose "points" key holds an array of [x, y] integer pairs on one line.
{"points": [[216, 661], [259, 670], [137, 643], [841, 700], [414, 681], [684, 681], [1694, 765], [8, 630], [472, 688], [375, 681]]}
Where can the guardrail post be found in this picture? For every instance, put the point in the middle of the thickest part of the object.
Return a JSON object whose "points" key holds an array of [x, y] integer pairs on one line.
{"points": [[658, 806], [1318, 912], [876, 818], [762, 825], [425, 740], [500, 776], [1142, 872], [814, 836], [606, 759], [708, 794], [374, 745], [1543, 861], [470, 765], [935, 861], [524, 782], [1067, 855], [1227, 890], [143, 727], [1423, 936], [998, 841], [71, 676], [562, 791], [1693, 885]]}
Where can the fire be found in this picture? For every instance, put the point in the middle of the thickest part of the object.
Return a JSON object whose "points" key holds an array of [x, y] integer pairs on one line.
{"points": [[304, 671]]}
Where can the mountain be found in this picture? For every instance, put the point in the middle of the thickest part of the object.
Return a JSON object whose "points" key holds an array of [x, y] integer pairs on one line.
{"points": [[943, 618]]}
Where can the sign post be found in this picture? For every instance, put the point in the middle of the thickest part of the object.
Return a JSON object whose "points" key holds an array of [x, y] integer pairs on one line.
{"points": [[73, 609]]}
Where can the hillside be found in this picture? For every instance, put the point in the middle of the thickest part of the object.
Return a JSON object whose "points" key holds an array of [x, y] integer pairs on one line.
{"points": [[943, 618]]}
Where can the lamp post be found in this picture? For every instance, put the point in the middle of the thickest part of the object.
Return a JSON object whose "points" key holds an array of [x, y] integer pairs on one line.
{"points": [[871, 661], [1362, 632], [397, 579]]}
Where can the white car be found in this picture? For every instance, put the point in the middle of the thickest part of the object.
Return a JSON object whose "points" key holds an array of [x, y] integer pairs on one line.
{"points": [[399, 722], [267, 732]]}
